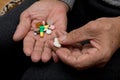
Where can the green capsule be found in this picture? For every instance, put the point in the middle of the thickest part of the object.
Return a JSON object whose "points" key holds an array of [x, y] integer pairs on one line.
{"points": [[42, 28]]}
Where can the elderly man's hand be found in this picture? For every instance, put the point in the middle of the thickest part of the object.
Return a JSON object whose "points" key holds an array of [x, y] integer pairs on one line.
{"points": [[51, 11], [104, 39]]}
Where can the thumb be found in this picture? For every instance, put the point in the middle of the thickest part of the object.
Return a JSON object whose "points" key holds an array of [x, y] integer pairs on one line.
{"points": [[75, 36], [23, 27]]}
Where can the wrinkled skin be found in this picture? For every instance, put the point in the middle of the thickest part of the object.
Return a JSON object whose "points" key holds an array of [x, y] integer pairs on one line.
{"points": [[104, 39], [51, 11]]}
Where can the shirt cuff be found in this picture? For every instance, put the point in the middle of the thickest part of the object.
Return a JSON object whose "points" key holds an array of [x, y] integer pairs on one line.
{"points": [[70, 3]]}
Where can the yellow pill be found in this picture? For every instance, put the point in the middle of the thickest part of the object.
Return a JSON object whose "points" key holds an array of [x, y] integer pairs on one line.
{"points": [[46, 26], [41, 34]]}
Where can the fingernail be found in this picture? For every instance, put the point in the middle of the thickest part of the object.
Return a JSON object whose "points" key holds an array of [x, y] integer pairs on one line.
{"points": [[62, 38]]}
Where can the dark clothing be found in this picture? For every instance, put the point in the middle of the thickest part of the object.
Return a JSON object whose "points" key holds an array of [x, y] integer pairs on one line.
{"points": [[87, 10], [14, 62]]}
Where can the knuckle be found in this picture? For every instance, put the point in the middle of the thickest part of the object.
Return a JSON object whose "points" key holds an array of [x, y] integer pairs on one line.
{"points": [[92, 25], [101, 19], [105, 23], [73, 34], [100, 25]]}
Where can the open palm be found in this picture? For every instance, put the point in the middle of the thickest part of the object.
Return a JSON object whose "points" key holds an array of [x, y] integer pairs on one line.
{"points": [[53, 12]]}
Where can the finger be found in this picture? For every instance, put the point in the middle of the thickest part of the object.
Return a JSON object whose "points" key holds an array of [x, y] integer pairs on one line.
{"points": [[75, 36], [23, 27], [77, 59], [65, 55], [50, 43], [38, 49], [75, 52], [60, 33], [28, 44], [55, 57], [46, 55], [89, 58]]}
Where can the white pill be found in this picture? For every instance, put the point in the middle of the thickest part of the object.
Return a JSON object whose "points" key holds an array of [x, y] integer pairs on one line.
{"points": [[43, 22], [35, 33], [45, 29], [48, 31], [56, 43]]}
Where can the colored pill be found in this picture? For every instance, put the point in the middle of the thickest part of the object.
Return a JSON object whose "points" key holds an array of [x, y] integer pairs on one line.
{"points": [[38, 24], [41, 31], [41, 28], [46, 27], [52, 27], [41, 34]]}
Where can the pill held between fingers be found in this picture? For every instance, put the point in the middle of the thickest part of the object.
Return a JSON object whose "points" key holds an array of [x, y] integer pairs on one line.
{"points": [[56, 43]]}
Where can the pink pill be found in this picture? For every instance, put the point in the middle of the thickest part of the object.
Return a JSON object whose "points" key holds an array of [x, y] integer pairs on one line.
{"points": [[52, 27]]}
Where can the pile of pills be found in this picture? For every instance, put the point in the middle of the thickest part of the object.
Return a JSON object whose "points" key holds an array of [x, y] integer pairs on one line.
{"points": [[42, 28]]}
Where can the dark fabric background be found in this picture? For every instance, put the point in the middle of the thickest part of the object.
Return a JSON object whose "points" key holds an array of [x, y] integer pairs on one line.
{"points": [[13, 62]]}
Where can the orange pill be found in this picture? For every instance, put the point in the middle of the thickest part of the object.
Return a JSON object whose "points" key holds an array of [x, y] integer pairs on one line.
{"points": [[38, 24]]}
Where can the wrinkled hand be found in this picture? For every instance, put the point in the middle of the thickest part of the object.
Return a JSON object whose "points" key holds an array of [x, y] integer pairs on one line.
{"points": [[104, 39], [51, 11]]}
